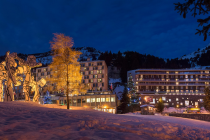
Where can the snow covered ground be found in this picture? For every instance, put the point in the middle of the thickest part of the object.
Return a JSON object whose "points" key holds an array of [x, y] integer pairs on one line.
{"points": [[28, 120]]}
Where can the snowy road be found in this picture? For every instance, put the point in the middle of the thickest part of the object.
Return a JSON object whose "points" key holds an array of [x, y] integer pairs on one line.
{"points": [[177, 120]]}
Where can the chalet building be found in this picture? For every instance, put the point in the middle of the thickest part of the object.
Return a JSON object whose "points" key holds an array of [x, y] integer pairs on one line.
{"points": [[176, 87]]}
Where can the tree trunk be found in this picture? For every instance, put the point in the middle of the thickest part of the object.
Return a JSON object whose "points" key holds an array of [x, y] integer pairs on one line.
{"points": [[67, 94]]}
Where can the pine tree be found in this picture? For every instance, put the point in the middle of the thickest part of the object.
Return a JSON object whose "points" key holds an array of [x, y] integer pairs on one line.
{"points": [[124, 101], [160, 106], [132, 90], [206, 100]]}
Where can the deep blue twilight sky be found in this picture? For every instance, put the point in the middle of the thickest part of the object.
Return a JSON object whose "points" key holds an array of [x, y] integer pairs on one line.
{"points": [[145, 26]]}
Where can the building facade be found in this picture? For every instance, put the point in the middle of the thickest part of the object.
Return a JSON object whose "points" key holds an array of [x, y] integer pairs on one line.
{"points": [[176, 87], [103, 102]]}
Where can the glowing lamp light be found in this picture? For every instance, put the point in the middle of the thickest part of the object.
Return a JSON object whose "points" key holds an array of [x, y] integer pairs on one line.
{"points": [[105, 106]]}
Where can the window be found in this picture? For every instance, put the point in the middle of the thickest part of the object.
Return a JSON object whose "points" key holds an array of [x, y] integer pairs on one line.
{"points": [[88, 100], [42, 74], [91, 72], [83, 81], [102, 84], [94, 76], [78, 100], [97, 99], [100, 71], [102, 76], [89, 64], [84, 68], [87, 68], [90, 80], [181, 103], [92, 100], [163, 98], [39, 70], [48, 73], [86, 77], [102, 67], [102, 99], [45, 70], [112, 99], [97, 71], [169, 100], [83, 100], [99, 80], [177, 99], [95, 68], [108, 99], [74, 101]]}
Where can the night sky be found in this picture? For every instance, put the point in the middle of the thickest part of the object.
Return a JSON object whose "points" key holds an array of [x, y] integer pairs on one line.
{"points": [[146, 26]]}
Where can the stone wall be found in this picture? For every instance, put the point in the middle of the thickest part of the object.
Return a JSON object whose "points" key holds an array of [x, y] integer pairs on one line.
{"points": [[204, 117]]}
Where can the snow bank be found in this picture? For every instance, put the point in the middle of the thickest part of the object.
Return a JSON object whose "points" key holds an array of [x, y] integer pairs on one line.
{"points": [[27, 120]]}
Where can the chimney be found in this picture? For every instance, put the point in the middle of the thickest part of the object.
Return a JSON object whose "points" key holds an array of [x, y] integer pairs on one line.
{"points": [[88, 59]]}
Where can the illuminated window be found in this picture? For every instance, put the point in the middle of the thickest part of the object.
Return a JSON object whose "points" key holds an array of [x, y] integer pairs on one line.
{"points": [[99, 80], [97, 99], [112, 99], [102, 99], [169, 100], [107, 99], [88, 100], [92, 100], [163, 98], [177, 99]]}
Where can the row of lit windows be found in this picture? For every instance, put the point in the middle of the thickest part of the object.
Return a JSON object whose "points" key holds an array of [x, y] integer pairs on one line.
{"points": [[91, 72], [92, 100], [91, 80], [94, 76]]}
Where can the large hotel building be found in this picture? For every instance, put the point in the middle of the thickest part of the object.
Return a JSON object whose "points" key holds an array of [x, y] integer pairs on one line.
{"points": [[95, 76], [176, 87]]}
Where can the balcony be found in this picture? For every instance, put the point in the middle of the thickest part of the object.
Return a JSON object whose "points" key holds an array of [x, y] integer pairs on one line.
{"points": [[167, 84], [181, 92], [172, 80], [170, 73]]}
